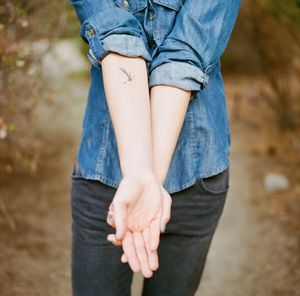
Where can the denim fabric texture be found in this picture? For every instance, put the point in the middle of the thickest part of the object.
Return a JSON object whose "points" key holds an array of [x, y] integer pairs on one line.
{"points": [[182, 42], [183, 248]]}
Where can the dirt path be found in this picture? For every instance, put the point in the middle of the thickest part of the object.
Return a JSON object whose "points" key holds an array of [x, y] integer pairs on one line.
{"points": [[250, 255]]}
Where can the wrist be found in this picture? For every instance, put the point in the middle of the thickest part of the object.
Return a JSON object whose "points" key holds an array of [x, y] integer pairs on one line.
{"points": [[160, 177], [141, 171], [160, 170]]}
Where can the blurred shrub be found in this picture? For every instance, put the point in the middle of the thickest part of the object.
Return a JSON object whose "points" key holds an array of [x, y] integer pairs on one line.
{"points": [[266, 42], [276, 27], [28, 28]]}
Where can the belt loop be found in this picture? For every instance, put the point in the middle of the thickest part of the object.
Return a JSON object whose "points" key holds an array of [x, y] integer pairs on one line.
{"points": [[77, 169]]}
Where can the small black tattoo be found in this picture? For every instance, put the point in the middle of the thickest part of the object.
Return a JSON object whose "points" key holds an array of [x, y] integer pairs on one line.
{"points": [[130, 78]]}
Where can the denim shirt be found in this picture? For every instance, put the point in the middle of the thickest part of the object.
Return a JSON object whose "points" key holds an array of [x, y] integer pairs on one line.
{"points": [[182, 42]]}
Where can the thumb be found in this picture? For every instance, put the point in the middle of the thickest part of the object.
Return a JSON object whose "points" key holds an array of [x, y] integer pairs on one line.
{"points": [[126, 193], [120, 220], [166, 210]]}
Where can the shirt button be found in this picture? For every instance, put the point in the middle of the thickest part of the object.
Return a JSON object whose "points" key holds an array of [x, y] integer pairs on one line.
{"points": [[91, 32], [152, 16], [125, 3]]}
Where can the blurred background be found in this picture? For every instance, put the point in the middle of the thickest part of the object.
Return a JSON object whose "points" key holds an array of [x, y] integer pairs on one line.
{"points": [[44, 81]]}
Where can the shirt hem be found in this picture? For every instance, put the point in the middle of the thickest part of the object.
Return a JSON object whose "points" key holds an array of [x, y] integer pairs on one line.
{"points": [[112, 183]]}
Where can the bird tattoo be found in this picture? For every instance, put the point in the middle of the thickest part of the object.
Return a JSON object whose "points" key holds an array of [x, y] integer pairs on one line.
{"points": [[130, 78]]}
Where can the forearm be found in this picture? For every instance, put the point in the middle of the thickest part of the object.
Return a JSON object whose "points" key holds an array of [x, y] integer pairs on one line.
{"points": [[168, 108], [126, 88]]}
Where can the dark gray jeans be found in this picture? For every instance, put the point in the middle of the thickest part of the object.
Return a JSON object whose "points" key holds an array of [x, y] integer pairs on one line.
{"points": [[96, 263]]}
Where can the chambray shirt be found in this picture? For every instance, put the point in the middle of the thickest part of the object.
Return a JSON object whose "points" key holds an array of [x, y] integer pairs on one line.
{"points": [[182, 42]]}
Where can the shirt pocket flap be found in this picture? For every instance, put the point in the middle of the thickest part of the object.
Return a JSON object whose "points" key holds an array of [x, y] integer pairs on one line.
{"points": [[172, 4], [132, 5]]}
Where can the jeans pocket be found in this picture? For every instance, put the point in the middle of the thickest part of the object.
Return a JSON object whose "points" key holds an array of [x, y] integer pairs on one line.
{"points": [[215, 185]]}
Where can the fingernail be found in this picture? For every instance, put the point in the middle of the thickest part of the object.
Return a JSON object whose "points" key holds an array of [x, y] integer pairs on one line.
{"points": [[163, 228]]}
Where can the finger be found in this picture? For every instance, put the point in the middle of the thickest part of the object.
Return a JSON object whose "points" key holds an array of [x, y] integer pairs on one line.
{"points": [[120, 219], [113, 240], [166, 213], [142, 254], [110, 219], [128, 190], [154, 234], [129, 250], [124, 258], [111, 207], [152, 255]]}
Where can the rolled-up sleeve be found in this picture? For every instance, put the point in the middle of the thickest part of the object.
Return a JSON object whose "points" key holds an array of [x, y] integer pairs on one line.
{"points": [[194, 45], [107, 27]]}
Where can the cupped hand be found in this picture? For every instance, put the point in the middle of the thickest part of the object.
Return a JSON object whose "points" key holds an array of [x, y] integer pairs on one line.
{"points": [[138, 204], [139, 211]]}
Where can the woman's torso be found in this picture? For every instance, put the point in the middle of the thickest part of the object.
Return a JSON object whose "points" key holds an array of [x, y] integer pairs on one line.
{"points": [[204, 141]]}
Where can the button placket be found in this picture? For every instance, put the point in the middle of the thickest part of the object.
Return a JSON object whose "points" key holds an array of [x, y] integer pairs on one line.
{"points": [[152, 11], [152, 16]]}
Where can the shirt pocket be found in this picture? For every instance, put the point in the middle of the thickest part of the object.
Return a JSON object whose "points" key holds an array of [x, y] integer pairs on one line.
{"points": [[165, 15]]}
